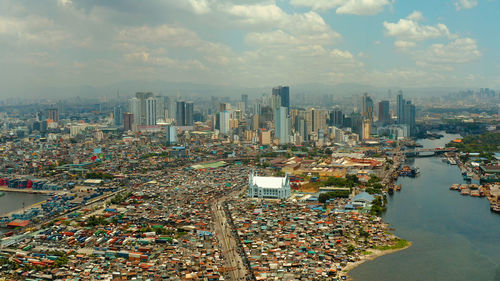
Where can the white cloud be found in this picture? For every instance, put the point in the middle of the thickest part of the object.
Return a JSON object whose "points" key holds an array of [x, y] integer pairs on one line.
{"points": [[355, 7], [404, 44], [64, 2], [336, 53], [33, 30], [416, 16], [459, 51], [410, 28], [281, 28], [362, 7], [465, 4], [165, 34]]}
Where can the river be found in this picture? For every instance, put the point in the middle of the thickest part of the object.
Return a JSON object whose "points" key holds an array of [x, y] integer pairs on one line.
{"points": [[12, 201], [454, 237]]}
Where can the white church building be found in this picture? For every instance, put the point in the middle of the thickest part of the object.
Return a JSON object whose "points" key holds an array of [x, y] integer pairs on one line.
{"points": [[269, 187]]}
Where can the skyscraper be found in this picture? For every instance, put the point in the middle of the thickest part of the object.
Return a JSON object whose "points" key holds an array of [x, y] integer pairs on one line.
{"points": [[301, 128], [383, 112], [282, 125], [53, 114], [336, 118], [188, 118], [224, 122], [140, 119], [160, 107], [401, 108], [409, 110], [171, 107], [284, 93], [128, 121], [117, 115], [367, 107], [171, 134], [244, 99], [365, 131], [150, 111], [134, 107], [180, 115]]}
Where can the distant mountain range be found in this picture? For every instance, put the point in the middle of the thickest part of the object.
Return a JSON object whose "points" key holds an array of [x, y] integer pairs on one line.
{"points": [[186, 89]]}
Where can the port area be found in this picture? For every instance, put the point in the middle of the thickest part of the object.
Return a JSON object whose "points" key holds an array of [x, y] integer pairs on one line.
{"points": [[31, 191]]}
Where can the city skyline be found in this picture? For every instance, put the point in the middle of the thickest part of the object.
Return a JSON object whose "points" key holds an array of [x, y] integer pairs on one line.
{"points": [[70, 44]]}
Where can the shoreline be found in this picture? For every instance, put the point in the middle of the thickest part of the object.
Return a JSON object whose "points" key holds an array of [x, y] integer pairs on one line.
{"points": [[17, 211], [375, 254], [4, 188]]}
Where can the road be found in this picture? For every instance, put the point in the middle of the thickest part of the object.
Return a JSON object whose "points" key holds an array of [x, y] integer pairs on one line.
{"points": [[223, 231]]}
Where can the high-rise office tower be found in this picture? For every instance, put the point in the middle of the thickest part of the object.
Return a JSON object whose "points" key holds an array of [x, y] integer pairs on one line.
{"points": [[140, 119], [117, 115], [53, 114], [170, 105], [180, 115], [60, 107], [317, 119], [134, 107], [150, 111], [336, 118], [367, 107], [171, 134], [189, 110], [383, 112], [265, 116], [244, 99], [160, 107], [128, 121], [401, 108], [301, 128], [365, 131], [223, 106], [224, 122], [409, 111], [282, 125], [284, 93]]}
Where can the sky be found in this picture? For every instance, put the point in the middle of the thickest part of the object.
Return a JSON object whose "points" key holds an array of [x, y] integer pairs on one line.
{"points": [[249, 43]]}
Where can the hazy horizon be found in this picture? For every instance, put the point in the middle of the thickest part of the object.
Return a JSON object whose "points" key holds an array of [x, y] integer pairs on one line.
{"points": [[73, 47]]}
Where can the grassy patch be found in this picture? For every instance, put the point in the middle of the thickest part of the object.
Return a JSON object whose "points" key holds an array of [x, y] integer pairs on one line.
{"points": [[367, 253], [400, 243]]}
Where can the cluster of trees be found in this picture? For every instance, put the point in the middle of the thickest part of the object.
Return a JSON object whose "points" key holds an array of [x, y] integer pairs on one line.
{"points": [[378, 206], [99, 175], [323, 197], [348, 181], [95, 221], [120, 197], [484, 143], [374, 186], [149, 155]]}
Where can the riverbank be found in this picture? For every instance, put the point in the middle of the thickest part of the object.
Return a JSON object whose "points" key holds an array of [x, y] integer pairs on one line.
{"points": [[454, 237], [373, 254]]}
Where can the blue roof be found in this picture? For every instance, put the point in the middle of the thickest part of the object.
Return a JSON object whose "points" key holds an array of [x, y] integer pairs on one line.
{"points": [[364, 196]]}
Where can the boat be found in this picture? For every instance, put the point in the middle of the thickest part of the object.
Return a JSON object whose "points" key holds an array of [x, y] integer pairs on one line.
{"points": [[2, 193], [407, 171], [455, 186], [397, 187], [391, 190], [495, 207], [465, 191], [474, 193]]}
